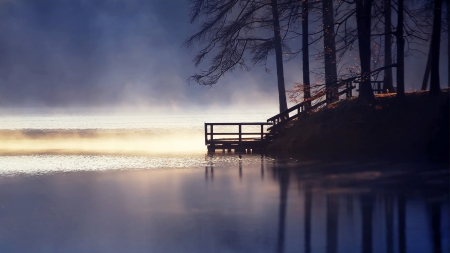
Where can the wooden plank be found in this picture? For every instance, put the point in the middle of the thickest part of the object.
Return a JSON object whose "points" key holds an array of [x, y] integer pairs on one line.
{"points": [[235, 133], [240, 123]]}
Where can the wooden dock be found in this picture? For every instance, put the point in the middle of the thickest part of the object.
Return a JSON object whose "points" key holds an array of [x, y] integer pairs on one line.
{"points": [[238, 140], [247, 141]]}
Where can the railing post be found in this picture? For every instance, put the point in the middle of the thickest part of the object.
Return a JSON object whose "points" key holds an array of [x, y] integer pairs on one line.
{"points": [[212, 132], [206, 133], [348, 86], [262, 131]]}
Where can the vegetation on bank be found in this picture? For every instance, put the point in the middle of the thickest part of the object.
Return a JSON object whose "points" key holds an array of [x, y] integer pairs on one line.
{"points": [[413, 128]]}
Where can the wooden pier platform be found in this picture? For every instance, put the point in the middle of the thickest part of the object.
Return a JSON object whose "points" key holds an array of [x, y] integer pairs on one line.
{"points": [[238, 140], [247, 141]]}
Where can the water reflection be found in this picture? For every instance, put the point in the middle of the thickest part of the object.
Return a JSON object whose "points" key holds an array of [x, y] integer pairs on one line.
{"points": [[389, 212], [283, 179], [307, 218], [401, 206], [234, 206], [367, 206], [435, 209], [332, 222]]}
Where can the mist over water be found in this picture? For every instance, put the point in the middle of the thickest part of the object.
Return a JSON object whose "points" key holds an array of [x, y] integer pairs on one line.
{"points": [[37, 143]]}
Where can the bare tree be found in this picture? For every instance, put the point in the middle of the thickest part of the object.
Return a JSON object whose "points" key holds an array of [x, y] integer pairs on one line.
{"points": [[387, 83], [231, 31], [400, 52], [305, 52], [279, 56], [435, 85], [426, 76], [448, 43], [363, 21], [329, 47]]}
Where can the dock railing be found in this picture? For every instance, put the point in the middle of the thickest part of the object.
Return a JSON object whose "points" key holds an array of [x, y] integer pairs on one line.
{"points": [[280, 120], [377, 86], [239, 137]]}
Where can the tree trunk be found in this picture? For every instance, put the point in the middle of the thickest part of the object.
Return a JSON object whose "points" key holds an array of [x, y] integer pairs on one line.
{"points": [[448, 43], [279, 57], [435, 85], [363, 22], [387, 84], [426, 76], [329, 48], [305, 54], [400, 52]]}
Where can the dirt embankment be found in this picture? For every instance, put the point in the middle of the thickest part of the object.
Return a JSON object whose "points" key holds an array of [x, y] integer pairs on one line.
{"points": [[415, 128]]}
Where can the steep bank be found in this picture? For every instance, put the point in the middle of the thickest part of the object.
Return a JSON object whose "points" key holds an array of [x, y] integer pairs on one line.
{"points": [[416, 128]]}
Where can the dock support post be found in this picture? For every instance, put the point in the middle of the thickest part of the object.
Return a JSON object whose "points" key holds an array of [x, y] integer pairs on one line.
{"points": [[262, 132], [240, 132], [211, 148]]}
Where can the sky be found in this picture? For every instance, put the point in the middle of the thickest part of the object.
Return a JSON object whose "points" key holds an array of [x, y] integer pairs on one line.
{"points": [[120, 53]]}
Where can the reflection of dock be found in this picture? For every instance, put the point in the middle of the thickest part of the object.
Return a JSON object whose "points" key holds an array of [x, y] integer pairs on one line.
{"points": [[238, 139]]}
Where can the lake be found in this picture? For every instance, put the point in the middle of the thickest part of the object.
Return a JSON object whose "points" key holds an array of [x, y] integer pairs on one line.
{"points": [[144, 183]]}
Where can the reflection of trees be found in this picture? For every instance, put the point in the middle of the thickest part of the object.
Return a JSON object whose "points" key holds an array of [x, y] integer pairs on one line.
{"points": [[435, 212], [332, 222], [307, 189], [283, 178], [401, 208], [307, 218], [389, 210], [366, 210], [393, 189]]}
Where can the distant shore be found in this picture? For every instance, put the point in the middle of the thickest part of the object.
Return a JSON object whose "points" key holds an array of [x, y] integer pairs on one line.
{"points": [[413, 129]]}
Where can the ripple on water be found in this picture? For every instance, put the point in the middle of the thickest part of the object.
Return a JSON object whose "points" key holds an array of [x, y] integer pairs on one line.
{"points": [[48, 164]]}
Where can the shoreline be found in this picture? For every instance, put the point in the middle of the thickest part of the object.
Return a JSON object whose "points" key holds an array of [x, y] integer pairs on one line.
{"points": [[413, 129]]}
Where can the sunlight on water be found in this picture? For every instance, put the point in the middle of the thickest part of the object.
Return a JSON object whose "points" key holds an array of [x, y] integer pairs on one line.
{"points": [[118, 134], [45, 164], [101, 142]]}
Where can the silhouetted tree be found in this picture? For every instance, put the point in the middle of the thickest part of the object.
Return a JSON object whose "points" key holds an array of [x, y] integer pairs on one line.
{"points": [[426, 76], [387, 83], [279, 56], [435, 85], [329, 48], [232, 29], [363, 22], [305, 52], [400, 52], [448, 43]]}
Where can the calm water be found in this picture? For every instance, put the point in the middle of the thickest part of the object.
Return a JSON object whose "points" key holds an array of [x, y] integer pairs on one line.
{"points": [[110, 191]]}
